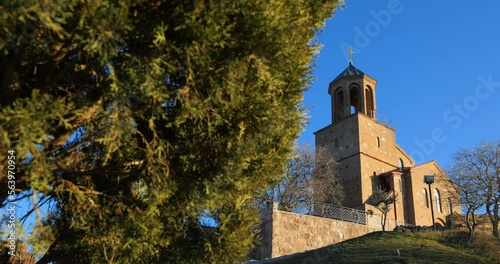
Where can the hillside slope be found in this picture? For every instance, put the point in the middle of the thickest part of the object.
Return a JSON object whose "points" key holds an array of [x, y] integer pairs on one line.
{"points": [[385, 247]]}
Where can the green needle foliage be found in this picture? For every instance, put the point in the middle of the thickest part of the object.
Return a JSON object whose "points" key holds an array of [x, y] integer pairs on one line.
{"points": [[136, 121]]}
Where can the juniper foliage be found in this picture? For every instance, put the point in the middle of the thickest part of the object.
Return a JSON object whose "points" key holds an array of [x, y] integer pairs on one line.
{"points": [[135, 120]]}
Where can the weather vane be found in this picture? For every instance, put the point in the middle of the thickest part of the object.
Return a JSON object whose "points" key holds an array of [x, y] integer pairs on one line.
{"points": [[351, 53]]}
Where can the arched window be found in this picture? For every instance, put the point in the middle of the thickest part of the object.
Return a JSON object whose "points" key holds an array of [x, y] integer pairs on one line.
{"points": [[450, 207], [378, 142], [401, 165], [353, 100], [369, 101], [339, 104], [426, 198], [437, 197]]}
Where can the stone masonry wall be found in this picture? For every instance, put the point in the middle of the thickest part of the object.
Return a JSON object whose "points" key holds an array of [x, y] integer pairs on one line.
{"points": [[292, 233]]}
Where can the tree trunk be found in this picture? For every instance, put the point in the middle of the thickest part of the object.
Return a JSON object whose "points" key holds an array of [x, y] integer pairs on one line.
{"points": [[470, 226], [493, 216], [494, 220], [383, 220]]}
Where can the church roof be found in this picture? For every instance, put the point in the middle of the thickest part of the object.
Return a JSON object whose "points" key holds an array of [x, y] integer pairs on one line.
{"points": [[349, 71]]}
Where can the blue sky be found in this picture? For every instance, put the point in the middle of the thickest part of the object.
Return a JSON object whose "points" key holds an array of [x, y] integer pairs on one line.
{"points": [[437, 64]]}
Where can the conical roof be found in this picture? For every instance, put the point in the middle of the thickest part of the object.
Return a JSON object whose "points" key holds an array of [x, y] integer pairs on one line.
{"points": [[349, 71]]}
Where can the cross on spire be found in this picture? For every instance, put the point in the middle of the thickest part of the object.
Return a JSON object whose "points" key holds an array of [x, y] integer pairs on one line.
{"points": [[351, 53]]}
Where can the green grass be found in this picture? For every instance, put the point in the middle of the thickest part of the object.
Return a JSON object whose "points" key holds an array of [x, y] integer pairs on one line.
{"points": [[382, 247]]}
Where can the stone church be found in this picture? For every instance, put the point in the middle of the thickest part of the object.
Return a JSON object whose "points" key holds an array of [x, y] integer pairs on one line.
{"points": [[369, 158]]}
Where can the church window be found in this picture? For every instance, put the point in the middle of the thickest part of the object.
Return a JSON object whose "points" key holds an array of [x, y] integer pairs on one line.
{"points": [[339, 103], [354, 100], [378, 142], [450, 207], [426, 198], [369, 102], [437, 197], [401, 165]]}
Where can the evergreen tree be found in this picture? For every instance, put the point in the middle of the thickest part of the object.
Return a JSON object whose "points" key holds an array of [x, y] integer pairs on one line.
{"points": [[136, 120]]}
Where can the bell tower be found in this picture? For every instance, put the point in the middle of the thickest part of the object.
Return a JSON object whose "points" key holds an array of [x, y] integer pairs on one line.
{"points": [[352, 91], [367, 156], [363, 147]]}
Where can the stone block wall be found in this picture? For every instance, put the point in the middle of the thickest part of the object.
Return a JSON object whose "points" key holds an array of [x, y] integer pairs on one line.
{"points": [[421, 211], [285, 233]]}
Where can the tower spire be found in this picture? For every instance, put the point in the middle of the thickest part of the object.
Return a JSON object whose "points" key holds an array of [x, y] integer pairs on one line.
{"points": [[351, 53]]}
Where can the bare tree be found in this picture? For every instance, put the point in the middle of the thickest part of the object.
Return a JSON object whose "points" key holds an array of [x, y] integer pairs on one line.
{"points": [[309, 176], [327, 185], [383, 201], [465, 190], [476, 172]]}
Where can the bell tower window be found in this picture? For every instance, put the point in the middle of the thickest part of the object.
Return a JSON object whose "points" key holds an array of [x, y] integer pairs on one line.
{"points": [[369, 102], [339, 104], [354, 100]]}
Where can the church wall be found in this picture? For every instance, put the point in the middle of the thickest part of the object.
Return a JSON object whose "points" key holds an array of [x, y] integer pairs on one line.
{"points": [[422, 213], [341, 139], [388, 150], [369, 131], [414, 199], [380, 154], [353, 143], [371, 182], [349, 170], [406, 198], [398, 209]]}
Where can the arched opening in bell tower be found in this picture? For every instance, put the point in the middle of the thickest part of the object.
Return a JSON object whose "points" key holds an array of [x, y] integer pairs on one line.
{"points": [[339, 103], [369, 101], [353, 100]]}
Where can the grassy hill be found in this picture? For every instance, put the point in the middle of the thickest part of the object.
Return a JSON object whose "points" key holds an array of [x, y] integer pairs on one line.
{"points": [[396, 247]]}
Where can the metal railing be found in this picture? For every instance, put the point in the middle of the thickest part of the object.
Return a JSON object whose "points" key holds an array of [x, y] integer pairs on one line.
{"points": [[385, 121], [339, 213]]}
